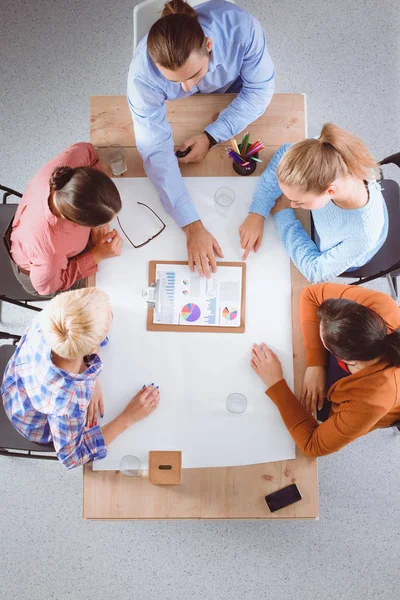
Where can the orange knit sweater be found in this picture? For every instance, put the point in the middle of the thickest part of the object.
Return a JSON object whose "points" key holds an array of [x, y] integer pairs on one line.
{"points": [[362, 401]]}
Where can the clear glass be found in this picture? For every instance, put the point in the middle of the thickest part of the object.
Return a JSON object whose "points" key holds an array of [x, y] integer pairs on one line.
{"points": [[116, 159], [224, 197], [130, 466], [236, 403]]}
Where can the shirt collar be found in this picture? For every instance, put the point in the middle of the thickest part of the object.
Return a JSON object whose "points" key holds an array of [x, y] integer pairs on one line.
{"points": [[215, 56], [43, 359]]}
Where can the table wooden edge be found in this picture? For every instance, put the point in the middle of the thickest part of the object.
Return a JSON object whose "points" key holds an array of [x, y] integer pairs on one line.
{"points": [[298, 283]]}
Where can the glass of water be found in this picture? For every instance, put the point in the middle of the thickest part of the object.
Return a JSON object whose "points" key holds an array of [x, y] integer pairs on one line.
{"points": [[130, 466], [115, 155], [236, 403], [224, 197]]}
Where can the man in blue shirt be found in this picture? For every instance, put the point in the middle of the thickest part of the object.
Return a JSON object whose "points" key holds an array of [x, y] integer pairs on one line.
{"points": [[220, 47]]}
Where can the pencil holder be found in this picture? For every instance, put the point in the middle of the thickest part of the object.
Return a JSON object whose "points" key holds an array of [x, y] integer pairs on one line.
{"points": [[248, 170]]}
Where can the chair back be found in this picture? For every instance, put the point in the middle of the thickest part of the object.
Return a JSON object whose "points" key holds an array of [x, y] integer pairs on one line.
{"points": [[387, 258], [10, 288], [11, 442]]}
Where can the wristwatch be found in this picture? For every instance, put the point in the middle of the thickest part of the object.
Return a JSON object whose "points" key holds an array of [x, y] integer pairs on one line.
{"points": [[211, 139]]}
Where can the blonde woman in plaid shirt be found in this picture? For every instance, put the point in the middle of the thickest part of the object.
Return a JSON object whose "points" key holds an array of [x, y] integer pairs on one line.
{"points": [[51, 391]]}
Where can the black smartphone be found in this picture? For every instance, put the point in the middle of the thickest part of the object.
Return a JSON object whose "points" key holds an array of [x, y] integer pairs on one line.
{"points": [[284, 497], [183, 153]]}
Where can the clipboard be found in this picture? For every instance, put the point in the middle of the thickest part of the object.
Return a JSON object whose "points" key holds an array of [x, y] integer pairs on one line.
{"points": [[150, 296]]}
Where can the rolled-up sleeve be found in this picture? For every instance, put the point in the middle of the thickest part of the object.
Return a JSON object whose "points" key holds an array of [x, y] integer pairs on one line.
{"points": [[74, 443]]}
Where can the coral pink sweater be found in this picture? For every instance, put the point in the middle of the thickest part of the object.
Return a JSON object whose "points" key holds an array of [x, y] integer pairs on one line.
{"points": [[49, 247]]}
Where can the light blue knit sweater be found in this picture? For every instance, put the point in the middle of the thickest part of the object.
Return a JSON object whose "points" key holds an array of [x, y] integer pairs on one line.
{"points": [[345, 239]]}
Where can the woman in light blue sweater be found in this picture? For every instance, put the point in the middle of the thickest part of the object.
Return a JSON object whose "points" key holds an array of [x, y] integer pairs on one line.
{"points": [[334, 177]]}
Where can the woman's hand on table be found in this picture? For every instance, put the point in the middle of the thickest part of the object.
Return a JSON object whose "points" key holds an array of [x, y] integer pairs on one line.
{"points": [[314, 388], [251, 233], [108, 245], [143, 404], [202, 249], [96, 406], [266, 364]]}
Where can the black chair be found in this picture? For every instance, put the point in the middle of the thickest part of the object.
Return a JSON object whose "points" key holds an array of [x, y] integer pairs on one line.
{"points": [[11, 290], [13, 444], [386, 262]]}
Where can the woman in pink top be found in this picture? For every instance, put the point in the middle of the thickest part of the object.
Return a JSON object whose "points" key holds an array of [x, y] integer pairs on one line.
{"points": [[65, 209]]}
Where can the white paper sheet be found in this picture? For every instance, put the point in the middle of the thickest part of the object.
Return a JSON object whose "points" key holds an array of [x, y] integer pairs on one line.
{"points": [[195, 371], [185, 298]]}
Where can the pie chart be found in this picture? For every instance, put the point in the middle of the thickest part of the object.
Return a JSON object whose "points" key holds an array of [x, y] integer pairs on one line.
{"points": [[191, 312], [229, 315]]}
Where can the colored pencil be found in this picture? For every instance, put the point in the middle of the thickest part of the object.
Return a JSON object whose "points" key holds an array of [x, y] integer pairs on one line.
{"points": [[247, 143], [234, 145], [256, 159], [254, 151], [233, 153], [253, 145], [236, 158], [244, 144]]}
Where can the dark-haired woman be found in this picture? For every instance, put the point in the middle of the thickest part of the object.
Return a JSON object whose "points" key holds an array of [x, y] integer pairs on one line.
{"points": [[219, 47], [358, 330], [69, 202]]}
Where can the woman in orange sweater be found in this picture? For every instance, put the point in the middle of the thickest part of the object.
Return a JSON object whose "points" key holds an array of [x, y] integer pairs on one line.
{"points": [[355, 331]]}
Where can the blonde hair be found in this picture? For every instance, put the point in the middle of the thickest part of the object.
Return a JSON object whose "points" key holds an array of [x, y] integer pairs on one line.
{"points": [[75, 323], [313, 165]]}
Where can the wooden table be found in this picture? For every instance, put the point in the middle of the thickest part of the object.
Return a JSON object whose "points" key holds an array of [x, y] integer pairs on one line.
{"points": [[210, 493]]}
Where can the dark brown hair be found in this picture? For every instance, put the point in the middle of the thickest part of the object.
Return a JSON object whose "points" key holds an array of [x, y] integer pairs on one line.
{"points": [[354, 332], [84, 195], [175, 36]]}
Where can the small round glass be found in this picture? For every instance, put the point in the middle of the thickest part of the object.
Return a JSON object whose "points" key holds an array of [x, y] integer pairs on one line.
{"points": [[224, 197], [236, 403], [115, 155], [130, 466]]}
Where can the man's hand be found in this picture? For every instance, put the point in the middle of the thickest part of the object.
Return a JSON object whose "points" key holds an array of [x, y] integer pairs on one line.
{"points": [[108, 245], [314, 388], [266, 364], [200, 146], [280, 204], [96, 406], [251, 233], [202, 248]]}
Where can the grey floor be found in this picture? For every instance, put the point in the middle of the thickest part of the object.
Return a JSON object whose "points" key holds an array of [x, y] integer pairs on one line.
{"points": [[54, 55]]}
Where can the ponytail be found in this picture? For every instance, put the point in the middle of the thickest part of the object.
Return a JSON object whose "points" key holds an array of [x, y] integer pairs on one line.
{"points": [[178, 7], [392, 348], [313, 165], [175, 36]]}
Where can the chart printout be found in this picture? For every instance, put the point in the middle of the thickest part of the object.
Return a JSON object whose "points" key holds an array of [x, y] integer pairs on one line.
{"points": [[185, 298]]}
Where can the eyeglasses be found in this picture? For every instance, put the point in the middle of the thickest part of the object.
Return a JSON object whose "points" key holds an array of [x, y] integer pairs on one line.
{"points": [[152, 237]]}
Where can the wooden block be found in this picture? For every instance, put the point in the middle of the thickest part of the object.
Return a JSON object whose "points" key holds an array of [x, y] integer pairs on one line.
{"points": [[165, 467]]}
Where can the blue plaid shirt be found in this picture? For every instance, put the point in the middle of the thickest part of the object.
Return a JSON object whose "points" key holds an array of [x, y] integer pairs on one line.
{"points": [[46, 404]]}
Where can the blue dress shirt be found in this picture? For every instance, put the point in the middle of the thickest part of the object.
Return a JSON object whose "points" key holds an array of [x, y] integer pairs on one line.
{"points": [[239, 52]]}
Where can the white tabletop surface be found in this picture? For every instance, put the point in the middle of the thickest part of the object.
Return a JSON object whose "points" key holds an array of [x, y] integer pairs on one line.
{"points": [[195, 371]]}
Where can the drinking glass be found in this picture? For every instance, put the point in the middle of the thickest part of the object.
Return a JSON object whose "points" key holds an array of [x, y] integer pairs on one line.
{"points": [[236, 403], [224, 197], [130, 466], [116, 159]]}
